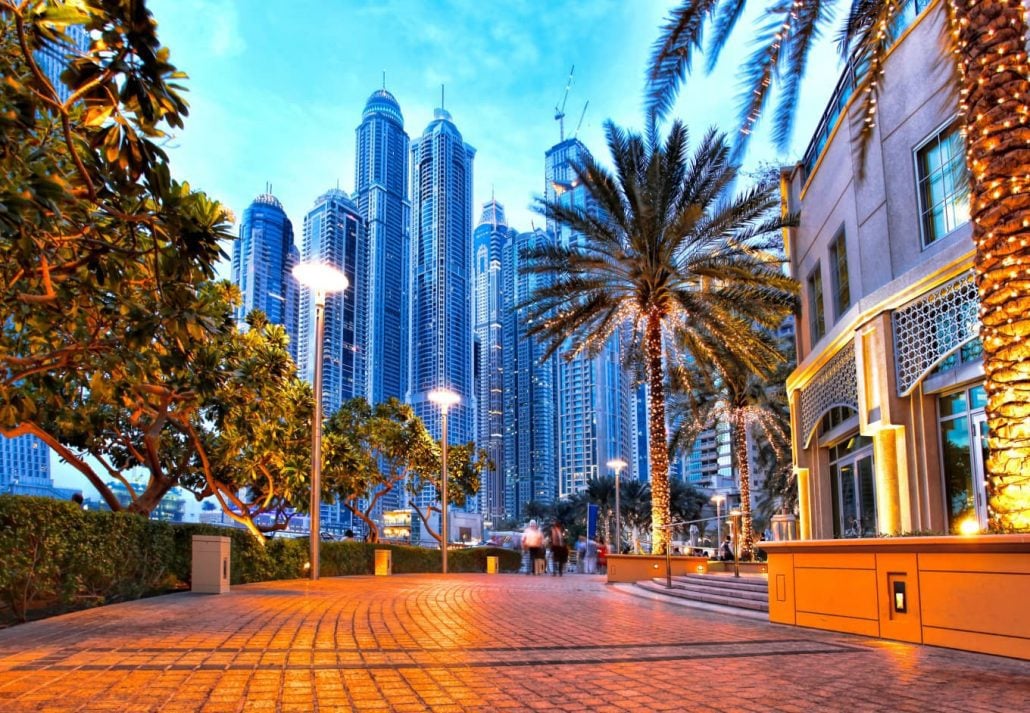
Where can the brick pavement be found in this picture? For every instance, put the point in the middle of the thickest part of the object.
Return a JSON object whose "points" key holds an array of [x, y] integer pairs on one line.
{"points": [[471, 642]]}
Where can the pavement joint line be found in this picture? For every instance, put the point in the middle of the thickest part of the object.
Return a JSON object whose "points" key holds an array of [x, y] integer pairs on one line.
{"points": [[398, 649], [829, 648]]}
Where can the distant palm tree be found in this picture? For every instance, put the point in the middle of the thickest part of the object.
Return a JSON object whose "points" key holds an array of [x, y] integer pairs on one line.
{"points": [[747, 402], [987, 40], [660, 250]]}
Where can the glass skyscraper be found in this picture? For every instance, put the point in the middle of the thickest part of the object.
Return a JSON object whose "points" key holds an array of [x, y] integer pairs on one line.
{"points": [[594, 395], [381, 194], [441, 315], [261, 262], [490, 349], [530, 449], [334, 234]]}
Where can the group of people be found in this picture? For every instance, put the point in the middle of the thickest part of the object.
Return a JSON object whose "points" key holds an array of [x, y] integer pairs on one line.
{"points": [[592, 555]]}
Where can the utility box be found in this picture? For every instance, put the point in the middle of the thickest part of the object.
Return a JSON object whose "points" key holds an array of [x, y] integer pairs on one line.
{"points": [[492, 564], [211, 564], [384, 563]]}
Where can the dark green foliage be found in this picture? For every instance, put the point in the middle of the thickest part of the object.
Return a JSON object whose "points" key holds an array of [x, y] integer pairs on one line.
{"points": [[55, 557]]}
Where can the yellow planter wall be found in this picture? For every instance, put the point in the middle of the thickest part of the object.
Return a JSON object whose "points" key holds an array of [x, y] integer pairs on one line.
{"points": [[963, 593]]}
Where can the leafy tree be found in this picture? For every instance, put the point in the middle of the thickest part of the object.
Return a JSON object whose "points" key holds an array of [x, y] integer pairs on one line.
{"points": [[465, 464], [102, 256], [987, 41], [536, 510], [669, 257], [370, 452]]}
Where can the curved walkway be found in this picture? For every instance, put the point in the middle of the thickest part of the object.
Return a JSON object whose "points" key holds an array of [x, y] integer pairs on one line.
{"points": [[471, 642]]}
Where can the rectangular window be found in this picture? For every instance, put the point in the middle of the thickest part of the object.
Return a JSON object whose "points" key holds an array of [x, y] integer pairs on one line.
{"points": [[839, 270], [816, 315], [943, 184]]}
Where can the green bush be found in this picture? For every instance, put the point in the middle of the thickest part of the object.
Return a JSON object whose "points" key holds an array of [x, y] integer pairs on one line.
{"points": [[56, 557]]}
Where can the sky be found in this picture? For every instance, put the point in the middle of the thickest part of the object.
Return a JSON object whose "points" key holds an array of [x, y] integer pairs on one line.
{"points": [[276, 90]]}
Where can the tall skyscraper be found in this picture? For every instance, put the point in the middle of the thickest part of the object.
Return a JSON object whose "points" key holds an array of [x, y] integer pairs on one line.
{"points": [[530, 449], [261, 263], [489, 350], [334, 234], [381, 193], [595, 419], [441, 315]]}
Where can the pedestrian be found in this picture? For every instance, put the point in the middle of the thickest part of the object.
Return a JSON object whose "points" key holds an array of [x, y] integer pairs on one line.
{"points": [[726, 551], [348, 536], [602, 557], [79, 500], [533, 541], [590, 556], [559, 550]]}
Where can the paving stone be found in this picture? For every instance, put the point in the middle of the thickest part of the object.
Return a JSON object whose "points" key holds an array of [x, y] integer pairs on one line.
{"points": [[471, 643]]}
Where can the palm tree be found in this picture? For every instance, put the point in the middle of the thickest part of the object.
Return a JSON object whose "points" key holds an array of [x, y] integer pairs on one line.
{"points": [[749, 403], [987, 39], [663, 253]]}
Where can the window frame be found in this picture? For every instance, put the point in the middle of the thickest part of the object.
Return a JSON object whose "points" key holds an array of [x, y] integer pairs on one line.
{"points": [[815, 296], [949, 126], [839, 238]]}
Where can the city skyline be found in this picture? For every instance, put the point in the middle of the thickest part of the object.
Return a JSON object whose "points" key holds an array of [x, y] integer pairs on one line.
{"points": [[250, 127]]}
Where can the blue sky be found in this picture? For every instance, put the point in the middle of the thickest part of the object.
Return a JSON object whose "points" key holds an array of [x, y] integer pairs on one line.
{"points": [[276, 89]]}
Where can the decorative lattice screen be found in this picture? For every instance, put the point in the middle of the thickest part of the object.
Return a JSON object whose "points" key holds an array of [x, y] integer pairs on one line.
{"points": [[931, 327], [835, 385]]}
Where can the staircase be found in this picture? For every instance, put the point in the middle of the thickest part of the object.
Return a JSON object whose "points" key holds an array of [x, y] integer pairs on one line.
{"points": [[747, 592]]}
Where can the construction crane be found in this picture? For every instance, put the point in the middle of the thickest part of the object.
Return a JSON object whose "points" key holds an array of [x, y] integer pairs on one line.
{"points": [[559, 108], [583, 114]]}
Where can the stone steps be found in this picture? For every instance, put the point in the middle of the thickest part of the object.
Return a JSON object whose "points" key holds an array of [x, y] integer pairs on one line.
{"points": [[750, 593]]}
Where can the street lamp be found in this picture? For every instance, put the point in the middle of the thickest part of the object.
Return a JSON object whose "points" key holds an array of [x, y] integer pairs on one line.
{"points": [[718, 500], [322, 279], [444, 398], [617, 464]]}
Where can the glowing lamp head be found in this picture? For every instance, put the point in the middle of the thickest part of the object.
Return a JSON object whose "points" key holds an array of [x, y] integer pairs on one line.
{"points": [[444, 398], [617, 464], [320, 277], [720, 499], [969, 527]]}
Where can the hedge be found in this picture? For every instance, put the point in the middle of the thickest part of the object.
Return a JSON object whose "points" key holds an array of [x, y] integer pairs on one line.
{"points": [[55, 557]]}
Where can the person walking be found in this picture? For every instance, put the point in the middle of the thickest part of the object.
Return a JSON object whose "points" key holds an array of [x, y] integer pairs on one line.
{"points": [[533, 541], [590, 557], [559, 550], [602, 557]]}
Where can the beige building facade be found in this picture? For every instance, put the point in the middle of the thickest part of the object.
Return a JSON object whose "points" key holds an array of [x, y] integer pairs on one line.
{"points": [[887, 402]]}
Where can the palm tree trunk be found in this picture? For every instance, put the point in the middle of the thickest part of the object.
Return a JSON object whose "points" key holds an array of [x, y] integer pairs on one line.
{"points": [[991, 38], [659, 441], [747, 533]]}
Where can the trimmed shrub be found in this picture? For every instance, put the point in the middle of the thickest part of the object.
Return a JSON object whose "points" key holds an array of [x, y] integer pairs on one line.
{"points": [[55, 557]]}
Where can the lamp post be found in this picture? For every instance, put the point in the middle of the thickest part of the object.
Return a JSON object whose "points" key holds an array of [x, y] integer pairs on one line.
{"points": [[617, 464], [735, 516], [322, 279], [444, 398], [718, 499]]}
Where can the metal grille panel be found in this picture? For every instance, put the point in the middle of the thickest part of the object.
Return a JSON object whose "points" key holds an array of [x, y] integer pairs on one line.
{"points": [[931, 327], [835, 385]]}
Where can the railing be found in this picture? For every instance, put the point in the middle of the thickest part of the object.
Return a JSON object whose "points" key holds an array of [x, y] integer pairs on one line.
{"points": [[853, 75]]}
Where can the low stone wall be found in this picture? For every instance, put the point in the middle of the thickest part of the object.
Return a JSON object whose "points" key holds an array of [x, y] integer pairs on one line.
{"points": [[633, 568], [960, 592]]}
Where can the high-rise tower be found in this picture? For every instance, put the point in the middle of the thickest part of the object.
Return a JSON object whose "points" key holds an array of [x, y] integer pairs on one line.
{"points": [[595, 420], [334, 234], [530, 450], [381, 194], [489, 350], [261, 263], [440, 318]]}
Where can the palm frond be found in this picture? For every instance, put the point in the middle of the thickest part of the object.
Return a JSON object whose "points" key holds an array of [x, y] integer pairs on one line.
{"points": [[812, 15], [672, 53], [722, 27]]}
